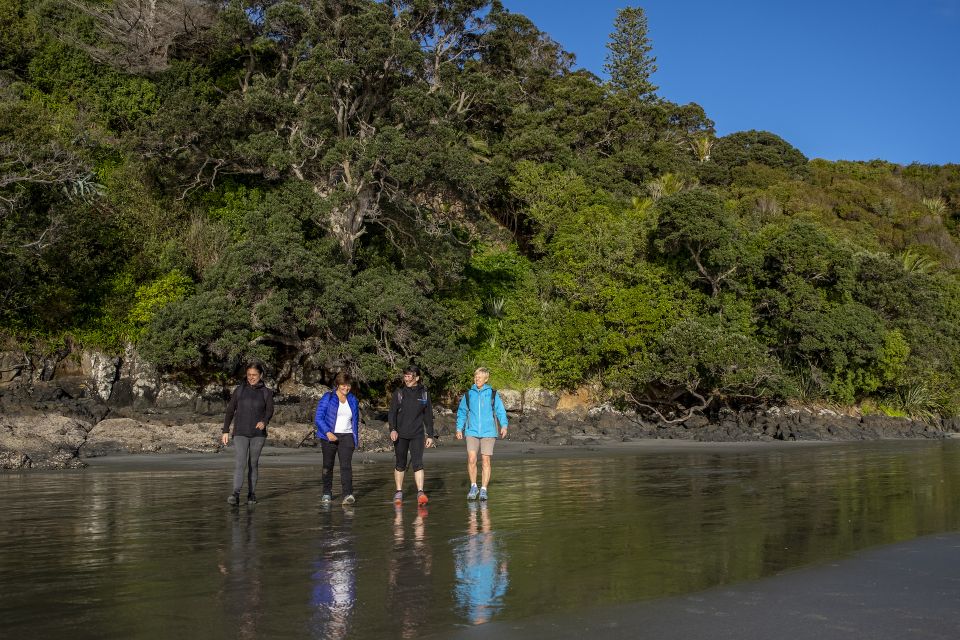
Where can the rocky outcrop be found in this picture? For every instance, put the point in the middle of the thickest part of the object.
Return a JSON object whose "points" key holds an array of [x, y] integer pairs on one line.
{"points": [[125, 435], [101, 371], [137, 382], [45, 441], [59, 408], [13, 364]]}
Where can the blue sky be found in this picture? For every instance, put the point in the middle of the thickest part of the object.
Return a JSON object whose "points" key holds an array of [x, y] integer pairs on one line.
{"points": [[849, 79]]}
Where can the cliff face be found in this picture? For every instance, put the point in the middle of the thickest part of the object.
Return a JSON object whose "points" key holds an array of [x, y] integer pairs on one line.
{"points": [[57, 410]]}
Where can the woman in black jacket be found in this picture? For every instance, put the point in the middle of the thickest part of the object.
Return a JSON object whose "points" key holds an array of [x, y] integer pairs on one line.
{"points": [[250, 410]]}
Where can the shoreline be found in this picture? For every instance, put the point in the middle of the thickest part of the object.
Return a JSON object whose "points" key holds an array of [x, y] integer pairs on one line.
{"points": [[52, 440], [276, 457]]}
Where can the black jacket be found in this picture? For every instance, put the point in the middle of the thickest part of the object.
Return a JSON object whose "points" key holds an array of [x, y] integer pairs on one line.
{"points": [[411, 412], [248, 406]]}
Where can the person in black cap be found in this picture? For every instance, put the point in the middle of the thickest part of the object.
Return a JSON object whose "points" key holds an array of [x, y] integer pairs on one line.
{"points": [[411, 430]]}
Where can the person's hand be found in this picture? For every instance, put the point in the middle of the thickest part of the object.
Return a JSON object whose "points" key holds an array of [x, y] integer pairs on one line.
{"points": [[459, 435], [261, 426], [394, 435], [332, 437], [503, 432], [429, 442], [225, 439]]}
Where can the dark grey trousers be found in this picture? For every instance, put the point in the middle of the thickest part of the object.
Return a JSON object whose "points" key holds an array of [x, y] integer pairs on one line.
{"points": [[248, 455]]}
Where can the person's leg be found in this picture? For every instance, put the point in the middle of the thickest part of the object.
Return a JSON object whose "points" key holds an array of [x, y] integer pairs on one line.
{"points": [[473, 447], [329, 450], [486, 454], [486, 459], [256, 447], [241, 447], [400, 448], [416, 460], [346, 464]]}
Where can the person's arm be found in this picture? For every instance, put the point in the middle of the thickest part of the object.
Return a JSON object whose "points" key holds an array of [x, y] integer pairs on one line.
{"points": [[392, 416], [392, 413], [356, 417], [501, 412], [268, 410], [428, 417], [231, 410], [462, 415], [319, 418]]}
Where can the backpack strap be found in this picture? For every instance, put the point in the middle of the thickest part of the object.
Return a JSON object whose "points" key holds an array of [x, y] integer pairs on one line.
{"points": [[493, 408]]}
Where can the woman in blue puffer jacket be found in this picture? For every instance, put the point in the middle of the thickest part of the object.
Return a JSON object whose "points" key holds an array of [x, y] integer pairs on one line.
{"points": [[338, 430]]}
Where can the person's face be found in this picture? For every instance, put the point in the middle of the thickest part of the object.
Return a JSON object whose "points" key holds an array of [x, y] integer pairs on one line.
{"points": [[480, 378], [343, 389], [253, 376], [410, 379]]}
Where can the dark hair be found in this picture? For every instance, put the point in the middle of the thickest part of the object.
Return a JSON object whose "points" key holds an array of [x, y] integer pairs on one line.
{"points": [[342, 378], [414, 369], [254, 365]]}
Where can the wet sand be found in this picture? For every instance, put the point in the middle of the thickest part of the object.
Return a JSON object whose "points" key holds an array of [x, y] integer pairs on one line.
{"points": [[905, 590]]}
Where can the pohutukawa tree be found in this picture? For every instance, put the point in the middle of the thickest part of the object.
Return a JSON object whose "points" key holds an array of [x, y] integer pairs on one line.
{"points": [[367, 102]]}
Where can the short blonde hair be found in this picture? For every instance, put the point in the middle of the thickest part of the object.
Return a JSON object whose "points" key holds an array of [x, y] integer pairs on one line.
{"points": [[482, 370]]}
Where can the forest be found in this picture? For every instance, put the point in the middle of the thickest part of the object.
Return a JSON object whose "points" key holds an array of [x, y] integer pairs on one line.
{"points": [[361, 184]]}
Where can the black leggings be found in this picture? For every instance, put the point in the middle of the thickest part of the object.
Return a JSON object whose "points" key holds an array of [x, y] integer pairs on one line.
{"points": [[343, 447], [415, 447]]}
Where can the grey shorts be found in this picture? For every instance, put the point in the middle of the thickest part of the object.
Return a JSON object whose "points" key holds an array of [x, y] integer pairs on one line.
{"points": [[483, 445]]}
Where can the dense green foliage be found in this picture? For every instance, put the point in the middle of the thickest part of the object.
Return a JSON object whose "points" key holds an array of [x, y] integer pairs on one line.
{"points": [[363, 183]]}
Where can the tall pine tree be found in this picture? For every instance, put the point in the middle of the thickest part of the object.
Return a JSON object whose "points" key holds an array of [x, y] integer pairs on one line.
{"points": [[629, 62]]}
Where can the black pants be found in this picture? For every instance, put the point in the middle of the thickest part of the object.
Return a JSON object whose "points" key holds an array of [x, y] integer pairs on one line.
{"points": [[415, 447], [343, 448]]}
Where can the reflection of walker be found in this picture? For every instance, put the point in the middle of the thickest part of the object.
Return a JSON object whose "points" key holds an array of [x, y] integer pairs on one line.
{"points": [[334, 586], [240, 568], [481, 568], [409, 573]]}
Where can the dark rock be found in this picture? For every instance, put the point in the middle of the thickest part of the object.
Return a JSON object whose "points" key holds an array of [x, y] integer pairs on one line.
{"points": [[696, 421]]}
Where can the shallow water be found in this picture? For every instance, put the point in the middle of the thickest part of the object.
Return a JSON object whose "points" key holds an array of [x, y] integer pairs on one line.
{"points": [[111, 553]]}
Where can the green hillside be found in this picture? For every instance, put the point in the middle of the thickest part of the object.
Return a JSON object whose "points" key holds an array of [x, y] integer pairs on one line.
{"points": [[360, 184]]}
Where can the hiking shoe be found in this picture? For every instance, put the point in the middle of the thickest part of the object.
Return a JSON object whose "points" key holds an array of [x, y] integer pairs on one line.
{"points": [[252, 498], [474, 492], [422, 498], [349, 499], [398, 497], [234, 498], [483, 493], [326, 499]]}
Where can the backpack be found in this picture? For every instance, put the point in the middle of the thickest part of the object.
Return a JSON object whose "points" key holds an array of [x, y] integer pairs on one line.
{"points": [[493, 406]]}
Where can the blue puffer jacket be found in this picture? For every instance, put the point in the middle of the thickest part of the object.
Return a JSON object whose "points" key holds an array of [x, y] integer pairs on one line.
{"points": [[478, 422], [326, 416]]}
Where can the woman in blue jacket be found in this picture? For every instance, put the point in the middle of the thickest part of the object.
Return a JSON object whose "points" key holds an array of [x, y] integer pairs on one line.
{"points": [[338, 430]]}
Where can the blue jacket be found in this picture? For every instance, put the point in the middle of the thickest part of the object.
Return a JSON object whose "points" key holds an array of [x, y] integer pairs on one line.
{"points": [[479, 423], [326, 416]]}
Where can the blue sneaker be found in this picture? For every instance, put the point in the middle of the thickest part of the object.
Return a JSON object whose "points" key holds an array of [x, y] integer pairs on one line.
{"points": [[483, 493], [474, 492]]}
